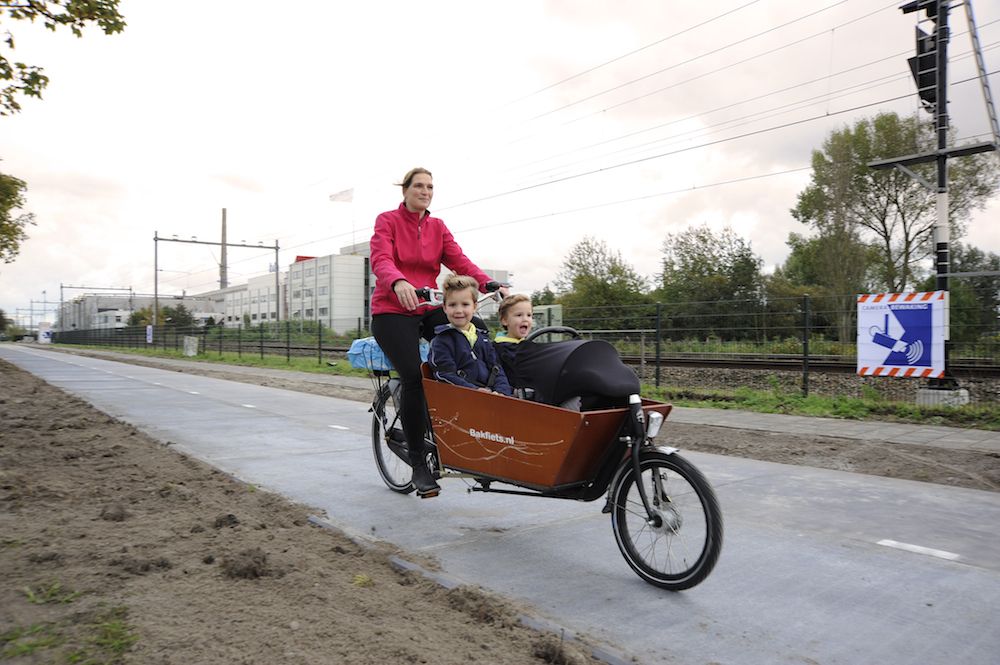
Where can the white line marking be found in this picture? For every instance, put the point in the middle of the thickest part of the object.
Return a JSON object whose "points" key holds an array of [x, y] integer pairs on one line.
{"points": [[250, 406], [918, 549], [157, 383], [193, 392], [339, 427]]}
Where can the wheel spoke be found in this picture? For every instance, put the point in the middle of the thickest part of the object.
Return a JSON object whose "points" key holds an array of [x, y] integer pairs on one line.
{"points": [[679, 548]]}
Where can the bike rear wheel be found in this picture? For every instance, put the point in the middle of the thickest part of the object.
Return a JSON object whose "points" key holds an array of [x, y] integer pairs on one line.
{"points": [[388, 442], [678, 547]]}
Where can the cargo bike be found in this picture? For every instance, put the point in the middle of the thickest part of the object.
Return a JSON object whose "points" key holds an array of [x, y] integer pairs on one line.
{"points": [[664, 513]]}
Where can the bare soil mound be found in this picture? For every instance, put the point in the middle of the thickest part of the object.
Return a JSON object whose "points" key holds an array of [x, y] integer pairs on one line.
{"points": [[116, 549]]}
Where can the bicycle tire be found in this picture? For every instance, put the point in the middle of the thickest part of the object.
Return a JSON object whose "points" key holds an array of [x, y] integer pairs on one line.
{"points": [[682, 549], [394, 469]]}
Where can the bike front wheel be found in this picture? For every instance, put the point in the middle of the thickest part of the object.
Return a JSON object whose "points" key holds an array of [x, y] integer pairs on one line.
{"points": [[388, 442], [677, 546]]}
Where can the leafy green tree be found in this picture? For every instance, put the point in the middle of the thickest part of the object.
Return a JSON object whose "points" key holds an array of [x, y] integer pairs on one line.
{"points": [[711, 282], [700, 264], [598, 288], [887, 208], [4, 321], [783, 306], [177, 317], [141, 317], [832, 268], [12, 225], [545, 296], [974, 302], [20, 79]]}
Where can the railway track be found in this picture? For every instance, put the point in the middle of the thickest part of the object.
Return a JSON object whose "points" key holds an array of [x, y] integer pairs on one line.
{"points": [[818, 364]]}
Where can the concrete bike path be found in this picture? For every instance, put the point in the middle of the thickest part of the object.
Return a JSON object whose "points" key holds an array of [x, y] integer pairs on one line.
{"points": [[817, 566]]}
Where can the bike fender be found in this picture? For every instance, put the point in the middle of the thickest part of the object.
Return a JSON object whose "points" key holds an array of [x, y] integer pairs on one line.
{"points": [[666, 450]]}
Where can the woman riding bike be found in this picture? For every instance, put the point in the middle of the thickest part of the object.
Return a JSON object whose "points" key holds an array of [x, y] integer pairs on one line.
{"points": [[408, 249]]}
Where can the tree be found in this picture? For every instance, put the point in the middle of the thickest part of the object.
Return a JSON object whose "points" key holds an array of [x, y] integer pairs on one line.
{"points": [[598, 288], [29, 80], [141, 317], [888, 208], [12, 226], [543, 297], [702, 269], [974, 302], [19, 79], [832, 268], [177, 317], [4, 321]]}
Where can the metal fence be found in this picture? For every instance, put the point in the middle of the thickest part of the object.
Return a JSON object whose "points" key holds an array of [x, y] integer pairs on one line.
{"points": [[818, 327], [798, 339], [288, 338]]}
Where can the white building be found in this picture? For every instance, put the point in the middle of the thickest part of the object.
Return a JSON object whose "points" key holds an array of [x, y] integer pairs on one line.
{"points": [[91, 311], [329, 289], [112, 318], [334, 290]]}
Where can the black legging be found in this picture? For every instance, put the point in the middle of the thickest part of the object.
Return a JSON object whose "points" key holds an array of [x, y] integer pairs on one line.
{"points": [[399, 337]]}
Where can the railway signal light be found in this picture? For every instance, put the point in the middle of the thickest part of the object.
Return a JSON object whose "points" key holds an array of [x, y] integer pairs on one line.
{"points": [[923, 65]]}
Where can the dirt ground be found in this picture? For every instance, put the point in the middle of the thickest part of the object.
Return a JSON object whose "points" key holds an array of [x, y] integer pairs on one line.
{"points": [[114, 548]]}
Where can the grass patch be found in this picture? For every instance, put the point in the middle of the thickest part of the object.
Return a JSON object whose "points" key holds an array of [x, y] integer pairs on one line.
{"points": [[96, 639], [868, 407], [248, 359], [112, 635], [53, 593], [27, 640]]}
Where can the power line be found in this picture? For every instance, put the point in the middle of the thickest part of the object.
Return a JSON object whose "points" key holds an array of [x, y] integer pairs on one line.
{"points": [[637, 198], [754, 117], [702, 145], [720, 108], [712, 52], [630, 53]]}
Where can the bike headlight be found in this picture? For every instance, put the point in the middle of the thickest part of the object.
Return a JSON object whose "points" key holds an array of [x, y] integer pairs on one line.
{"points": [[654, 421]]}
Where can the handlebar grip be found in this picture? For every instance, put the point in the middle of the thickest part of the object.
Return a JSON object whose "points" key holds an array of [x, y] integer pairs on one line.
{"points": [[424, 293], [494, 285]]}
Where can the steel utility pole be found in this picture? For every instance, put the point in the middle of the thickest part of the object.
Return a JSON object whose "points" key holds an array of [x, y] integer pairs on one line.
{"points": [[930, 72], [223, 263]]}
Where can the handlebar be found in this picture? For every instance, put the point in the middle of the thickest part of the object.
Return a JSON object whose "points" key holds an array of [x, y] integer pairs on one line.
{"points": [[552, 330], [430, 296]]}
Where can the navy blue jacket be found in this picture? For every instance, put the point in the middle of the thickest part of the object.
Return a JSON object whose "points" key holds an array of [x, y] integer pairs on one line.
{"points": [[452, 360]]}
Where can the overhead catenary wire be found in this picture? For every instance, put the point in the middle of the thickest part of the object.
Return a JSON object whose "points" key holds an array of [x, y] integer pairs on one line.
{"points": [[700, 56], [590, 70], [717, 70], [636, 161], [756, 116], [619, 165]]}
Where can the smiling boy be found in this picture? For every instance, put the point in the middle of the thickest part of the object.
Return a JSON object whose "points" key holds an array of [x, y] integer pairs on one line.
{"points": [[462, 354]]}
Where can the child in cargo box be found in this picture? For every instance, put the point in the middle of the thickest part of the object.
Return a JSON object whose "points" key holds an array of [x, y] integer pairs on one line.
{"points": [[460, 353], [516, 318]]}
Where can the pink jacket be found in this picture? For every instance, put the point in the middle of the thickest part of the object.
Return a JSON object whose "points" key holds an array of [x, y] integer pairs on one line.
{"points": [[406, 247]]}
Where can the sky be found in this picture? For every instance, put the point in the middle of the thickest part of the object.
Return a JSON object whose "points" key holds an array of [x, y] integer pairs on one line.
{"points": [[543, 121]]}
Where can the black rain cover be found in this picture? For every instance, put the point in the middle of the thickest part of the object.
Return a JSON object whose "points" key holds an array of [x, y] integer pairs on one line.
{"points": [[591, 369]]}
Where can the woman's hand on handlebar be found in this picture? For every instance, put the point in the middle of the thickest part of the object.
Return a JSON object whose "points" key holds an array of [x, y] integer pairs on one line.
{"points": [[502, 287], [406, 294]]}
